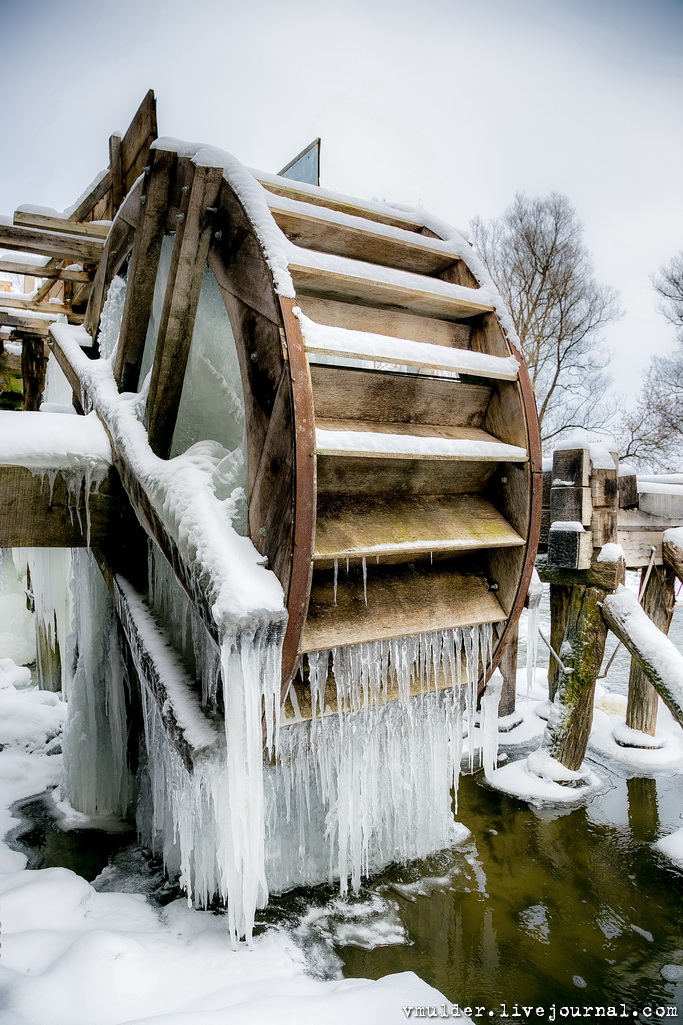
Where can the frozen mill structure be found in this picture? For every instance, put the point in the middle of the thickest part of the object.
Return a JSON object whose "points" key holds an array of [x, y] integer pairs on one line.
{"points": [[298, 507]]}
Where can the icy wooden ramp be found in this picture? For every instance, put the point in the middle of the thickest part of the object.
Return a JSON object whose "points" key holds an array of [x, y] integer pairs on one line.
{"points": [[398, 526], [403, 603]]}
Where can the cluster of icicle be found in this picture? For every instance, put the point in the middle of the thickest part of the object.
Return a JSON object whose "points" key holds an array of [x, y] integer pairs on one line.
{"points": [[209, 823], [95, 778], [174, 610], [353, 791]]}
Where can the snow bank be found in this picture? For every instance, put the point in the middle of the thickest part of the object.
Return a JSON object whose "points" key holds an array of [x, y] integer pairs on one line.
{"points": [[410, 445], [672, 846]]}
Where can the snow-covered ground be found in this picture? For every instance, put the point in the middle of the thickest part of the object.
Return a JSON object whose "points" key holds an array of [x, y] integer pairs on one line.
{"points": [[80, 954]]}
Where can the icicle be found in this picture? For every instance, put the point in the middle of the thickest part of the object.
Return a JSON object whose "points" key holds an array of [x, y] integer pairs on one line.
{"points": [[354, 791], [377, 560], [533, 615], [336, 575], [347, 565], [365, 580]]}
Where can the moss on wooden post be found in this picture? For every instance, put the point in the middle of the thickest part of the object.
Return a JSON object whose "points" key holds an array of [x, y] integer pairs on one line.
{"points": [[569, 725]]}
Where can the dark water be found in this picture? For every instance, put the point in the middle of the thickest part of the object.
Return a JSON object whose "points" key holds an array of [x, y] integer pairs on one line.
{"points": [[574, 909], [85, 851], [541, 909]]}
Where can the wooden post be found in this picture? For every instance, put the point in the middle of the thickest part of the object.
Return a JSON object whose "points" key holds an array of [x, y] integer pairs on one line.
{"points": [[658, 602], [144, 264], [568, 729], [116, 169], [185, 277], [560, 600], [48, 657], [33, 370], [508, 668]]}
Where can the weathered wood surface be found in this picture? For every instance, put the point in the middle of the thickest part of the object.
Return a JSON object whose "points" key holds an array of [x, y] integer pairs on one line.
{"points": [[659, 659], [45, 271], [118, 245], [381, 321], [144, 264], [361, 242], [25, 325], [560, 603], [66, 225], [50, 243], [408, 430], [287, 187], [408, 527], [672, 555], [53, 309], [375, 395], [409, 297], [31, 517], [33, 363], [400, 602], [186, 273], [658, 601], [380, 476], [508, 668]]}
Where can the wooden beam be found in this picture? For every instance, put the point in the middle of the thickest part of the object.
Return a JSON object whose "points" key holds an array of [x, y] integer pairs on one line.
{"points": [[136, 142], [25, 325], [46, 271], [34, 516], [143, 269], [188, 263], [659, 659], [12, 302], [92, 198], [65, 225], [50, 243], [116, 168], [192, 730], [118, 245]]}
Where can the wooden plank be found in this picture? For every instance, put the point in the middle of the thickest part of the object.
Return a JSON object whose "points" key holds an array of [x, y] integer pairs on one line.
{"points": [[628, 490], [118, 245], [365, 242], [393, 323], [355, 207], [453, 361], [377, 476], [50, 243], [376, 395], [63, 225], [51, 288], [400, 602], [116, 169], [12, 302], [473, 434], [91, 199], [31, 517], [638, 545], [38, 271], [334, 284], [142, 273], [188, 262], [408, 527], [138, 138], [25, 325], [572, 467]]}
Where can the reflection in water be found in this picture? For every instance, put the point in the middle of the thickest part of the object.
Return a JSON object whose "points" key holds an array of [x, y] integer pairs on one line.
{"points": [[573, 909]]}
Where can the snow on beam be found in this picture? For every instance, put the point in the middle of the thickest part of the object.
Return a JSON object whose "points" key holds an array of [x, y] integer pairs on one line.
{"points": [[659, 659], [188, 725]]}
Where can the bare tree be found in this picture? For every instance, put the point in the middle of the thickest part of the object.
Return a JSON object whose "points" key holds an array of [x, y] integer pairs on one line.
{"points": [[536, 255], [651, 435]]}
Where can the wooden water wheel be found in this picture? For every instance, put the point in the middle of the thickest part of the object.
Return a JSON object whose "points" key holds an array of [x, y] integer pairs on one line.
{"points": [[393, 452]]}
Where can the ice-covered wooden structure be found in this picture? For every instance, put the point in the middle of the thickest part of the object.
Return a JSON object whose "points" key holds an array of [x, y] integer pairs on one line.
{"points": [[320, 426]]}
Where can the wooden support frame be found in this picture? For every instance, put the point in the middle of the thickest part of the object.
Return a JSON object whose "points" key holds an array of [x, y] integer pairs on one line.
{"points": [[188, 262], [658, 601], [144, 264]]}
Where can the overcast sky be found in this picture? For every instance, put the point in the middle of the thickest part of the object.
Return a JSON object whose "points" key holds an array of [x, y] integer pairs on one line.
{"points": [[450, 104]]}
